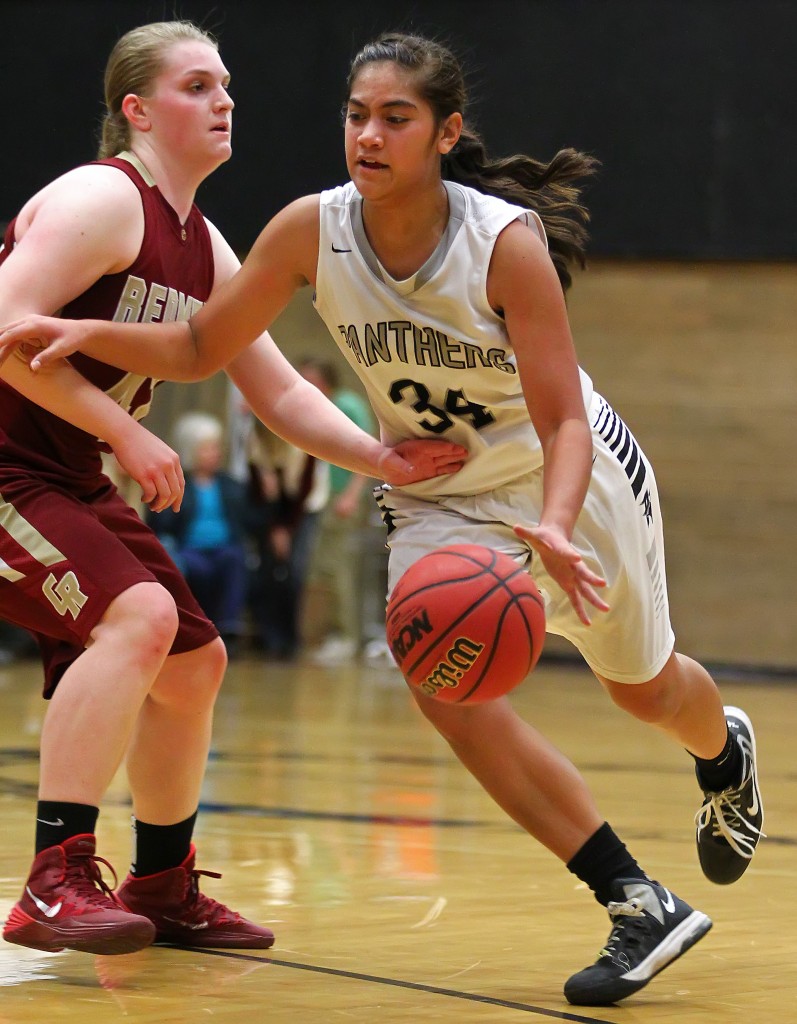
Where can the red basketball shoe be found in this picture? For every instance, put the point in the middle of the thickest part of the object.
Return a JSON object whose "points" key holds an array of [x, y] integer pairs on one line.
{"points": [[182, 914], [67, 905]]}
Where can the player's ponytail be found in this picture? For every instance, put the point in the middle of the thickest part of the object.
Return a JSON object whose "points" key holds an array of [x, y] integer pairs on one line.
{"points": [[551, 189]]}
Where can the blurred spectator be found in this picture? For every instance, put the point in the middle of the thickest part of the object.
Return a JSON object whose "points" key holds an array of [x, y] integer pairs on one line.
{"points": [[240, 425], [207, 537], [292, 487], [335, 557]]}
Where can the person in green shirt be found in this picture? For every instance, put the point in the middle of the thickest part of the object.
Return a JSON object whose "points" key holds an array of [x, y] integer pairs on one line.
{"points": [[335, 561]]}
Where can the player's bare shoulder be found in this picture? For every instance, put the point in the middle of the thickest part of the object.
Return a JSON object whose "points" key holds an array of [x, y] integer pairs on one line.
{"points": [[519, 259], [518, 240], [96, 205]]}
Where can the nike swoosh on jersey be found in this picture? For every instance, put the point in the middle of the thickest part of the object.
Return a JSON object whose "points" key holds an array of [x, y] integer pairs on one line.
{"points": [[334, 249], [46, 909]]}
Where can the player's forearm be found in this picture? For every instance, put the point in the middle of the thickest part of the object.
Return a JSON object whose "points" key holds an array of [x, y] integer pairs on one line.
{"points": [[328, 434], [64, 392], [163, 351], [568, 467], [305, 418]]}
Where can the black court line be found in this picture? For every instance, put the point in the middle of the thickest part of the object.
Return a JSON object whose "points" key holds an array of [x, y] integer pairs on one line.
{"points": [[21, 755], [28, 790], [13, 787], [19, 788], [415, 986]]}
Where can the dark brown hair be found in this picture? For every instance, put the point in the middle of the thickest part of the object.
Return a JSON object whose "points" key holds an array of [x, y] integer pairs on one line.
{"points": [[551, 189]]}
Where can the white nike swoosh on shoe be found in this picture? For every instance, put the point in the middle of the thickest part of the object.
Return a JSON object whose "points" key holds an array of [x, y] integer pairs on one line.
{"points": [[56, 824], [48, 911], [185, 924], [669, 903]]}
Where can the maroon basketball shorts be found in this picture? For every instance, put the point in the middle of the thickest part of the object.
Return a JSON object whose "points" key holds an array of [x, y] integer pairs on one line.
{"points": [[64, 558]]}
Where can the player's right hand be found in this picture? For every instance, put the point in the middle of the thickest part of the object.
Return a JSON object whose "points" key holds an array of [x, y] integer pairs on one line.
{"points": [[566, 566], [420, 459], [153, 465]]}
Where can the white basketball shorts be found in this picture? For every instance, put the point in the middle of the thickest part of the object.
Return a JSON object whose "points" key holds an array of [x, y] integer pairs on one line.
{"points": [[618, 533]]}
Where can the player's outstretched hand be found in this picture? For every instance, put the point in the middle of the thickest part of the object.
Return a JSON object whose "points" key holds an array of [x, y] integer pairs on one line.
{"points": [[566, 566], [41, 339], [419, 459], [153, 465]]}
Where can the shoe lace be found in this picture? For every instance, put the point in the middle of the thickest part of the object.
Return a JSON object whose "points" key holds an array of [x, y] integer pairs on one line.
{"points": [[723, 812], [630, 927], [205, 906], [84, 876]]}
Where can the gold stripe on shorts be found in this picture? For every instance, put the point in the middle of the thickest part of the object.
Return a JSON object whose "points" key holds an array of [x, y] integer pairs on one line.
{"points": [[7, 573], [28, 537]]}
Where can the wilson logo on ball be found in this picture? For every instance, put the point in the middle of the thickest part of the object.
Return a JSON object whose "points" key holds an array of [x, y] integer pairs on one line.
{"points": [[462, 656]]}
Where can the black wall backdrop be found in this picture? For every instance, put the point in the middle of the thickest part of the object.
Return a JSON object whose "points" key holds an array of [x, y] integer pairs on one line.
{"points": [[691, 105]]}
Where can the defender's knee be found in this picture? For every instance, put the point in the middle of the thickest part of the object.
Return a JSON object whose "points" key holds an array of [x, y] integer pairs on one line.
{"points": [[143, 619], [190, 682]]}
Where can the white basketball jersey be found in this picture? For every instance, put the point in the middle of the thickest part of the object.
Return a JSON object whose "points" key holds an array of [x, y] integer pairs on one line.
{"points": [[434, 358]]}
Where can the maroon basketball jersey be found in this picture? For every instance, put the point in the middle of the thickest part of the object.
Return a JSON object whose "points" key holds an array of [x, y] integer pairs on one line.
{"points": [[170, 279]]}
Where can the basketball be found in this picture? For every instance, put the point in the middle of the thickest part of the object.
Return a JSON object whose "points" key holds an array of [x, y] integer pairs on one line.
{"points": [[465, 624]]}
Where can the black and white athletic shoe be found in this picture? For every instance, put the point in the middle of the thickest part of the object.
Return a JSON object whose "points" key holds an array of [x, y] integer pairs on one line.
{"points": [[730, 823], [651, 927]]}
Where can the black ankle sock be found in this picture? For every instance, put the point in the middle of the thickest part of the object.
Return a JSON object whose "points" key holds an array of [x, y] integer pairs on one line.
{"points": [[724, 770], [602, 860], [160, 847], [57, 821]]}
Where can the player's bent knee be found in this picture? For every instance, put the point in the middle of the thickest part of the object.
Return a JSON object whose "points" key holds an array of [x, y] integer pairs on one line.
{"points": [[144, 614], [213, 664], [649, 702], [192, 680]]}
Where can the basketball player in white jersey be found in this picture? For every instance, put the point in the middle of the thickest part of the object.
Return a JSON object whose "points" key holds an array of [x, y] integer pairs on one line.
{"points": [[444, 291]]}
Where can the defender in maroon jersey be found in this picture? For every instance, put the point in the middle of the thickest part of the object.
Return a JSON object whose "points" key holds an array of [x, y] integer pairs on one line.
{"points": [[132, 664]]}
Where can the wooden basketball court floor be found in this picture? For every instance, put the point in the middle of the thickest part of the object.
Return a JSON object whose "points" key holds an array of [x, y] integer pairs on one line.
{"points": [[397, 890]]}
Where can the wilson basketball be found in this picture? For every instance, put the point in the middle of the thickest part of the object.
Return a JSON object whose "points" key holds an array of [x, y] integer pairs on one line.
{"points": [[465, 624]]}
